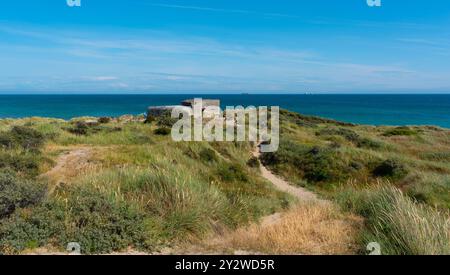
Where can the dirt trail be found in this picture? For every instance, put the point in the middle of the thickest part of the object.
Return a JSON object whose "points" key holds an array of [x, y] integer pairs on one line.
{"points": [[68, 166], [300, 193]]}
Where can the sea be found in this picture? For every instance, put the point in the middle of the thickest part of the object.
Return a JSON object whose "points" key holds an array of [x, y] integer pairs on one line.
{"points": [[401, 110]]}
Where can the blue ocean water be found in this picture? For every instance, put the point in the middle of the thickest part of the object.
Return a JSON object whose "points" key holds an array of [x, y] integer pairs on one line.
{"points": [[361, 109]]}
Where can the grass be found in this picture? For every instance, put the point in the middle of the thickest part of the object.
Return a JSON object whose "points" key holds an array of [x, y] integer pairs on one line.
{"points": [[145, 191], [140, 189], [399, 224], [308, 229]]}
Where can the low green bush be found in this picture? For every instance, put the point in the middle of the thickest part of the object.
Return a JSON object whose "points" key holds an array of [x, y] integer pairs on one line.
{"points": [[369, 143], [166, 121], [208, 155], [18, 193], [315, 164], [80, 129], [25, 163], [349, 135], [163, 131], [232, 172], [22, 137], [82, 214], [400, 131], [6, 140], [390, 168], [253, 162], [104, 120], [101, 224]]}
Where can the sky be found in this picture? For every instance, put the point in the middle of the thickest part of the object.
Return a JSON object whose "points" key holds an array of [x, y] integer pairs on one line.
{"points": [[224, 46]]}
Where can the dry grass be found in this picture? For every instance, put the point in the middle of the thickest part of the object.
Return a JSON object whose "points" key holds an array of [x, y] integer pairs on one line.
{"points": [[314, 228]]}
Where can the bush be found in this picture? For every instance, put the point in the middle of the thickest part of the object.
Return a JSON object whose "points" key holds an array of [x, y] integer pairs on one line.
{"points": [[400, 225], [32, 228], [400, 131], [6, 140], [27, 138], [391, 169], [80, 129], [23, 137], [315, 164], [24, 162], [208, 155], [349, 135], [253, 162], [104, 120], [368, 143], [163, 131], [17, 193], [232, 172], [100, 224], [166, 121], [86, 216]]}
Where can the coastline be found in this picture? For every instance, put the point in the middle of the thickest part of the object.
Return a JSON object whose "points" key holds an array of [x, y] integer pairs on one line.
{"points": [[377, 110]]}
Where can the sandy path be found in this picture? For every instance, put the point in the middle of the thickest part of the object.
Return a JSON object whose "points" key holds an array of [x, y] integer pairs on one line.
{"points": [[68, 166], [298, 192]]}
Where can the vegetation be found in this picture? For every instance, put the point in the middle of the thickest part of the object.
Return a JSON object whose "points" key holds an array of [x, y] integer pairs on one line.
{"points": [[346, 163], [400, 225], [134, 188], [307, 229], [400, 131]]}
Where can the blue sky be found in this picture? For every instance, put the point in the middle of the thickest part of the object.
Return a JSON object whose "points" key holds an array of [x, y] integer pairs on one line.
{"points": [[156, 46]]}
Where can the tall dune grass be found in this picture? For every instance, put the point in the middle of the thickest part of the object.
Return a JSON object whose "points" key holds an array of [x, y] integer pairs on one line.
{"points": [[399, 224]]}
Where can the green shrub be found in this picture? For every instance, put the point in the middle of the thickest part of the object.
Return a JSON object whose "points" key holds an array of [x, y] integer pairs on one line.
{"points": [[253, 162], [232, 172], [104, 120], [311, 121], [390, 169], [27, 138], [32, 228], [22, 137], [401, 226], [100, 224], [6, 140], [400, 131], [80, 129], [315, 164], [166, 121], [208, 155], [349, 135], [368, 143], [25, 163], [17, 193], [163, 131], [82, 214]]}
